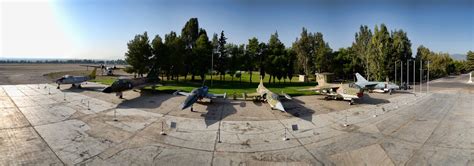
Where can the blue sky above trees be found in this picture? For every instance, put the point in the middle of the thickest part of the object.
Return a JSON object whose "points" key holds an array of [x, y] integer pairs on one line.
{"points": [[101, 29]]}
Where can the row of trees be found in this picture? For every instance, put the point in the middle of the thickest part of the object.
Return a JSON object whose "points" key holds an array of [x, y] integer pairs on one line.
{"points": [[375, 54]]}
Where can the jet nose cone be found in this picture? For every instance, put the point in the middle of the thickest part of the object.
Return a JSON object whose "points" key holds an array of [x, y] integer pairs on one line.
{"points": [[183, 106], [107, 90], [279, 106]]}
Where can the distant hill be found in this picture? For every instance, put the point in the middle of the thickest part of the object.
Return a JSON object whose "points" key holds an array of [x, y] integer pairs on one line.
{"points": [[458, 56]]}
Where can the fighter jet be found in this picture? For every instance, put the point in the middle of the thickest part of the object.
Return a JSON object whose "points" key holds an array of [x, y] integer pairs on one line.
{"points": [[381, 87], [348, 92], [263, 94], [197, 95], [124, 83], [75, 80], [109, 70]]}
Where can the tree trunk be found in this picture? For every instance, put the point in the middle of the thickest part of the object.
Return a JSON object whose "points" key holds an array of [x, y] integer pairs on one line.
{"points": [[192, 77], [270, 79]]}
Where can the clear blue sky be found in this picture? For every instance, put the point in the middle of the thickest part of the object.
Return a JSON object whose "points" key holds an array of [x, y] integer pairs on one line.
{"points": [[101, 28]]}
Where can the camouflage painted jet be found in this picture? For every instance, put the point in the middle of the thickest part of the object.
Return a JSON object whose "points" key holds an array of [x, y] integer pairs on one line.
{"points": [[75, 80], [348, 92], [263, 94], [197, 95], [124, 84], [381, 87]]}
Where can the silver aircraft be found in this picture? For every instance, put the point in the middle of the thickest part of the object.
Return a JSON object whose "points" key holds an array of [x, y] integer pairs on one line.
{"points": [[374, 86], [265, 95], [197, 95], [75, 80]]}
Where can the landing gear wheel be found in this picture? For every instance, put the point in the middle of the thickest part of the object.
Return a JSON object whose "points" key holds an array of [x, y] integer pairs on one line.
{"points": [[57, 87], [192, 110], [79, 86], [210, 101], [351, 102], [390, 91], [73, 86]]}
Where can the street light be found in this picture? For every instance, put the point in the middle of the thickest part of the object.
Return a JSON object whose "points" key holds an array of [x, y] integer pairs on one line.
{"points": [[414, 67], [408, 74], [428, 78], [401, 73], [421, 74], [396, 72]]}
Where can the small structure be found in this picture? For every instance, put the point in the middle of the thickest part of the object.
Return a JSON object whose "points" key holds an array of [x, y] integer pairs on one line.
{"points": [[324, 77], [470, 77], [302, 78]]}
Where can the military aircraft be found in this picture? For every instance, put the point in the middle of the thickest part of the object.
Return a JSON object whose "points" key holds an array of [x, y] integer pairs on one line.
{"points": [[75, 80], [109, 70], [263, 94], [197, 95], [125, 83], [348, 92], [381, 87]]}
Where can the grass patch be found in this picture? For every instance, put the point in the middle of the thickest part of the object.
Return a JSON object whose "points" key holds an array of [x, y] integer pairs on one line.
{"points": [[218, 86]]}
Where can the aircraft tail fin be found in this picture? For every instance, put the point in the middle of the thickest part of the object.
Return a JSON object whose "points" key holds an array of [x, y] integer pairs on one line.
{"points": [[93, 73], [359, 78]]}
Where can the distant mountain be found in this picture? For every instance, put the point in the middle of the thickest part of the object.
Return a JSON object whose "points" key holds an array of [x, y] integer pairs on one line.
{"points": [[458, 56]]}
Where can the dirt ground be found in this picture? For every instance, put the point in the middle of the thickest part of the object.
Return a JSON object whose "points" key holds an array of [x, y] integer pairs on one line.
{"points": [[12, 74]]}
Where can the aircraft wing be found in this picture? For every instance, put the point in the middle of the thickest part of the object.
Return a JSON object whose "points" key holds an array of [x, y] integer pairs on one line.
{"points": [[285, 96], [181, 93], [321, 89], [370, 85], [210, 95]]}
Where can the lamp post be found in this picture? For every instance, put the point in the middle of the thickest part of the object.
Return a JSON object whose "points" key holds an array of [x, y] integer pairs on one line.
{"points": [[396, 72], [414, 67], [401, 72], [421, 74], [428, 79], [408, 74]]}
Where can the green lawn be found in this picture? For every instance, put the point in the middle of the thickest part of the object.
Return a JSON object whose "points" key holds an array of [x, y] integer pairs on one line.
{"points": [[218, 86], [228, 86]]}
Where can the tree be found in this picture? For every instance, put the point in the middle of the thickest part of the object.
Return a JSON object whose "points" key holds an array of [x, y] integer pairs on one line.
{"points": [[322, 53], [158, 50], [222, 58], [262, 56], [362, 47], [235, 57], [189, 35], [275, 61], [291, 60], [251, 55], [344, 59], [381, 53], [304, 50], [470, 61], [401, 51], [176, 49], [139, 54], [203, 51]]}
